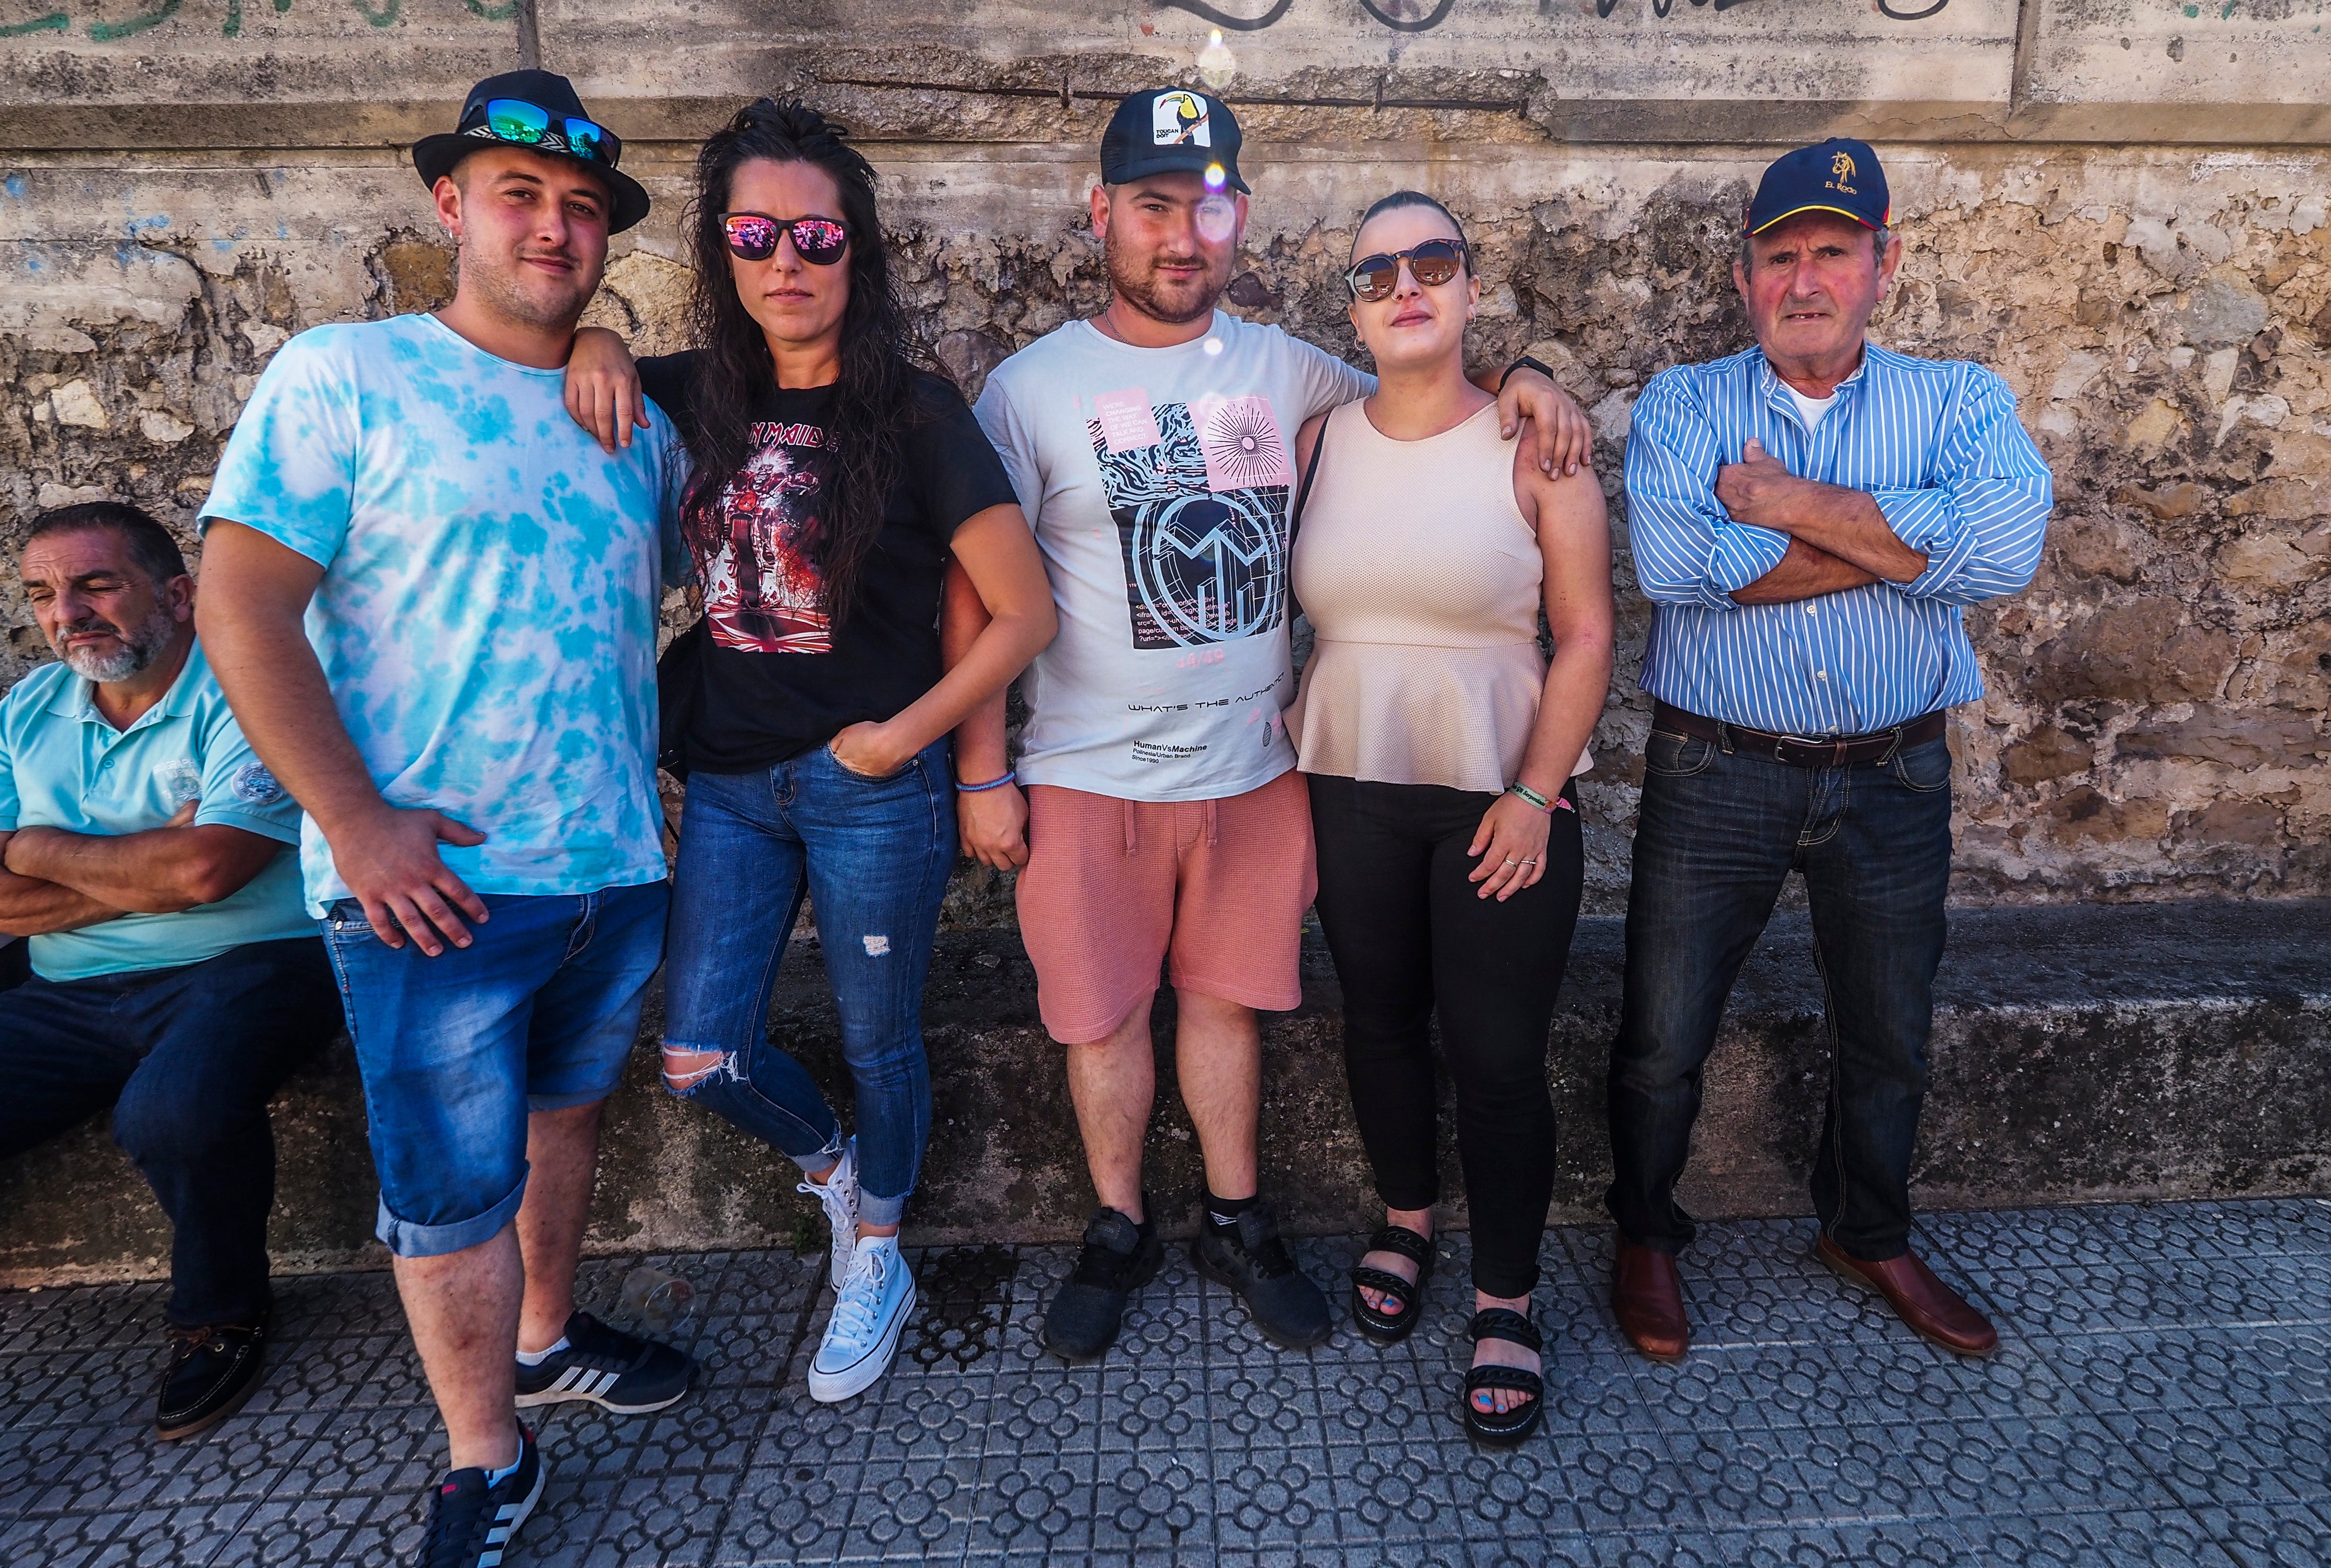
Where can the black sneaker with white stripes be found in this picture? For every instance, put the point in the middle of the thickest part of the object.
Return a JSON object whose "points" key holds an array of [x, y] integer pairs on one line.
{"points": [[471, 1524], [606, 1366]]}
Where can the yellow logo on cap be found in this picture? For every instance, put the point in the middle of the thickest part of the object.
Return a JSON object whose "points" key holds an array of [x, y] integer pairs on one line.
{"points": [[1841, 168]]}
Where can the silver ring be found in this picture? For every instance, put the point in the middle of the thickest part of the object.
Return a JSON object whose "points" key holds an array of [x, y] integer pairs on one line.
{"points": [[1511, 862], [1531, 861]]}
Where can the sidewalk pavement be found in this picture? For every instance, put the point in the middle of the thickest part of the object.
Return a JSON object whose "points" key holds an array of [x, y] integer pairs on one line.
{"points": [[2162, 1396]]}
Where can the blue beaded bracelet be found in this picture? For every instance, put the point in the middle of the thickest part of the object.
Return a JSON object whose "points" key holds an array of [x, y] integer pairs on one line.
{"points": [[994, 783]]}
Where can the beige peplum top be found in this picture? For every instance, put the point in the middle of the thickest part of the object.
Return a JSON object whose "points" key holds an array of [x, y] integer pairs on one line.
{"points": [[1422, 581]]}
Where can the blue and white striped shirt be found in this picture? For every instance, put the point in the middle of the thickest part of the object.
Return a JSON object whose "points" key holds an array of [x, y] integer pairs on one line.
{"points": [[1934, 442]]}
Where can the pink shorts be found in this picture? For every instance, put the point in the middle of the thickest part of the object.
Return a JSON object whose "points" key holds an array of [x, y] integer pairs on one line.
{"points": [[1113, 888]]}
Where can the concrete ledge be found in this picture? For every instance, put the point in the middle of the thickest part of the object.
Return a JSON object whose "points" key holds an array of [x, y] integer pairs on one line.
{"points": [[2162, 1050]]}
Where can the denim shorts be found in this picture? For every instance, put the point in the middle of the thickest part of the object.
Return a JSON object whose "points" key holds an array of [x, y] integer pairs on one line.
{"points": [[538, 1013]]}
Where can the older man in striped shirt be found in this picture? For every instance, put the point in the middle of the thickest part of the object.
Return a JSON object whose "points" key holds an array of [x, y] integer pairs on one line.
{"points": [[1810, 518]]}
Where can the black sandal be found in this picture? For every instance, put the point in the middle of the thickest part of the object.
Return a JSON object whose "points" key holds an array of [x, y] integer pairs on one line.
{"points": [[1509, 1427], [1392, 1327]]}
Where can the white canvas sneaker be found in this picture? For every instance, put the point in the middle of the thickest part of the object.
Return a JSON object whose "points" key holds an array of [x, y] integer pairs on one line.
{"points": [[870, 1309], [839, 1194]]}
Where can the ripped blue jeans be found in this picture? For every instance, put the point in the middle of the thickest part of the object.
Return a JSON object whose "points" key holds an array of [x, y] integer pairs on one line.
{"points": [[873, 856]]}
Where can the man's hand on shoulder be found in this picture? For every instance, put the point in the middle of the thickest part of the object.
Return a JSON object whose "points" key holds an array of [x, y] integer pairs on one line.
{"points": [[389, 861], [602, 388], [1564, 436]]}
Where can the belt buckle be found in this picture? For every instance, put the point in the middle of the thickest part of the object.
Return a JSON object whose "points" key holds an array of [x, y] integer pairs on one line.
{"points": [[1835, 746]]}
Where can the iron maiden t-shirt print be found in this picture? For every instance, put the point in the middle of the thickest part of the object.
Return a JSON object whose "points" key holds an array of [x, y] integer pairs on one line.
{"points": [[782, 673]]}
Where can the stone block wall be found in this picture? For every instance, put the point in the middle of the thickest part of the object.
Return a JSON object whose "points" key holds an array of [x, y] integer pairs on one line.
{"points": [[2120, 207]]}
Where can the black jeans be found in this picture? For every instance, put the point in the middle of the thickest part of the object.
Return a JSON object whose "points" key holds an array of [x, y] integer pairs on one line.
{"points": [[1410, 935], [188, 1058], [1718, 834]]}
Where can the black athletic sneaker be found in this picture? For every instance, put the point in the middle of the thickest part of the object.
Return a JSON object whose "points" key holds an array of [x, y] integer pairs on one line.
{"points": [[1119, 1257], [606, 1366], [211, 1372], [1288, 1309], [472, 1524]]}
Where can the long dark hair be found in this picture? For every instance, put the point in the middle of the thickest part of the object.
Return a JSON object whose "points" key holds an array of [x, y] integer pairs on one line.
{"points": [[873, 399]]}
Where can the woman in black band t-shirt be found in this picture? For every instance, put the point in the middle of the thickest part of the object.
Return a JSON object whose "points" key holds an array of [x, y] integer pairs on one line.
{"points": [[832, 482], [763, 592]]}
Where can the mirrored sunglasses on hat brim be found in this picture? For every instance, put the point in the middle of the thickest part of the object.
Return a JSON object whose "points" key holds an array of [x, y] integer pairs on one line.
{"points": [[1431, 263], [519, 123], [753, 237]]}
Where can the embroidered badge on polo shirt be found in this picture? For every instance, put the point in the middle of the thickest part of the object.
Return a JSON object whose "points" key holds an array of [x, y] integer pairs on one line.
{"points": [[254, 786], [181, 780]]}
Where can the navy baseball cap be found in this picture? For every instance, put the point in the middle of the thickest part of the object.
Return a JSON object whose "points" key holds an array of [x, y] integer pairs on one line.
{"points": [[1166, 130], [1840, 175]]}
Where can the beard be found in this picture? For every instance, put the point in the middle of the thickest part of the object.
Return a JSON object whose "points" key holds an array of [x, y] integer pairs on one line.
{"points": [[515, 293], [141, 645], [1177, 304]]}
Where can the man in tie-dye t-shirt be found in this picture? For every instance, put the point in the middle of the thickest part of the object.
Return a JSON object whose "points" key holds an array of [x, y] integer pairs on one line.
{"points": [[431, 600]]}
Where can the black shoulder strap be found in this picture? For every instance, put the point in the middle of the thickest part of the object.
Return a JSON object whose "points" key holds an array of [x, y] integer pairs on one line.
{"points": [[1310, 472]]}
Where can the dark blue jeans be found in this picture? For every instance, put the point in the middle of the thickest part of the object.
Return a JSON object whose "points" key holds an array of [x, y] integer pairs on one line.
{"points": [[1718, 834], [187, 1058], [873, 855]]}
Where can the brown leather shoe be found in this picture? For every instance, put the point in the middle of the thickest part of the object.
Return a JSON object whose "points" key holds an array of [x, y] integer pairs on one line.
{"points": [[1932, 1308], [1647, 1294]]}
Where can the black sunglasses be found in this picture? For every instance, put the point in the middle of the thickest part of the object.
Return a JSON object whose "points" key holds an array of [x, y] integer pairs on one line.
{"points": [[524, 124], [1433, 263], [753, 237]]}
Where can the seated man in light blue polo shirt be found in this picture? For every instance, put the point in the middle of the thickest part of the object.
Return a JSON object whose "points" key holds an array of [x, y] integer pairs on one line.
{"points": [[175, 977]]}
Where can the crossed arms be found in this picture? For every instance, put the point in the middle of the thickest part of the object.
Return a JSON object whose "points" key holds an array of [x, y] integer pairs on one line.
{"points": [[1758, 534], [1838, 538], [55, 880]]}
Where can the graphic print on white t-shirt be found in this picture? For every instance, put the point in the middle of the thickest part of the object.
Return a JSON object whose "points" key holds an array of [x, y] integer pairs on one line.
{"points": [[1158, 482], [1199, 495]]}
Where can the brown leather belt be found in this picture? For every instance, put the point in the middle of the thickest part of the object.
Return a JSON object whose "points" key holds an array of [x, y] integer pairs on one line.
{"points": [[1797, 750]]}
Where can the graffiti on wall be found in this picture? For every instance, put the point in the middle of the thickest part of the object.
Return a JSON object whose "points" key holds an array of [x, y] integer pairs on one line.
{"points": [[1400, 15], [101, 29], [1423, 15]]}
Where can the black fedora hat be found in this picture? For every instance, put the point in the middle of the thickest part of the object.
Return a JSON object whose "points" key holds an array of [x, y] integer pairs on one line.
{"points": [[536, 111]]}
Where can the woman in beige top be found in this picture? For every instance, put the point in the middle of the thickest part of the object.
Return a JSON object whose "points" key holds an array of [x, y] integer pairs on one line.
{"points": [[1440, 745]]}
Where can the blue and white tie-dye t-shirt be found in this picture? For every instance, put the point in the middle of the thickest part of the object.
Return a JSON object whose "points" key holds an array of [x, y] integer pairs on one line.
{"points": [[487, 617]]}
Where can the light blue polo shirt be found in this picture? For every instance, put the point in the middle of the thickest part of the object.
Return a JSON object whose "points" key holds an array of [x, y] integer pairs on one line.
{"points": [[63, 766]]}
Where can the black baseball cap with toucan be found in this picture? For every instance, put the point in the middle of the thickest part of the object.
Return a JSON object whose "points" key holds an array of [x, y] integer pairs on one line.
{"points": [[1169, 131], [1840, 175], [538, 111]]}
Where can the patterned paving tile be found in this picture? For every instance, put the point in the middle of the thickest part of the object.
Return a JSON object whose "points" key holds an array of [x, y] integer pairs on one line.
{"points": [[2163, 1397], [289, 1531], [2269, 1535], [2137, 1538]]}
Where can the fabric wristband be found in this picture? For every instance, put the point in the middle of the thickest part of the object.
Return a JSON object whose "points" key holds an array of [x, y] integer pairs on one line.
{"points": [[1525, 362], [1529, 796], [978, 789]]}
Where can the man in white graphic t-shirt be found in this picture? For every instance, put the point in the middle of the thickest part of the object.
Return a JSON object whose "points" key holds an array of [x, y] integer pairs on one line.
{"points": [[1152, 448]]}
